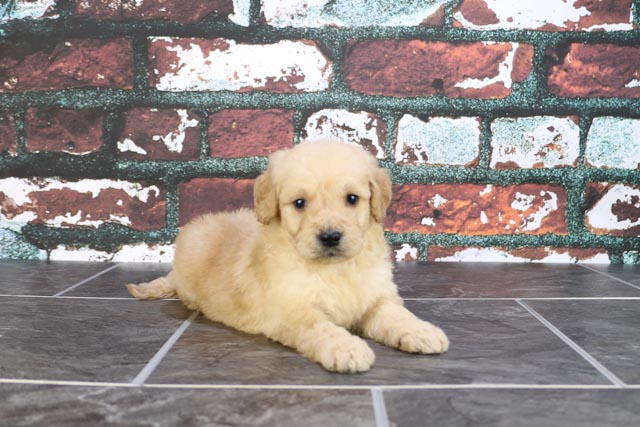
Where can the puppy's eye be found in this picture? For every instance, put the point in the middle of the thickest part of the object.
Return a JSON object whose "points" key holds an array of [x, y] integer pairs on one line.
{"points": [[300, 203], [352, 199]]}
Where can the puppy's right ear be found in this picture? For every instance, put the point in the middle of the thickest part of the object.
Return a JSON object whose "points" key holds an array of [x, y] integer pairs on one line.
{"points": [[264, 198], [265, 195]]}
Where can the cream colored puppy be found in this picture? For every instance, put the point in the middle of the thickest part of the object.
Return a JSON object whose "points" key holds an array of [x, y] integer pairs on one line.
{"points": [[309, 269]]}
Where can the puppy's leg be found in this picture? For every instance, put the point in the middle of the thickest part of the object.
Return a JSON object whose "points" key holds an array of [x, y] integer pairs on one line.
{"points": [[331, 346], [156, 289], [391, 324]]}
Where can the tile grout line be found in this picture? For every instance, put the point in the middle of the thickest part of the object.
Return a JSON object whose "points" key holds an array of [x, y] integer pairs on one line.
{"points": [[406, 299], [473, 386], [379, 408], [610, 276], [87, 297], [82, 282], [144, 374], [582, 352]]}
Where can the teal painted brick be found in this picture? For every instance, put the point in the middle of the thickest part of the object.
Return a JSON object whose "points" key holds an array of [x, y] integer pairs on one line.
{"points": [[614, 142]]}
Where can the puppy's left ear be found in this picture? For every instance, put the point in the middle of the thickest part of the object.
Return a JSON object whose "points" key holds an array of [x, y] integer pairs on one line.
{"points": [[380, 185]]}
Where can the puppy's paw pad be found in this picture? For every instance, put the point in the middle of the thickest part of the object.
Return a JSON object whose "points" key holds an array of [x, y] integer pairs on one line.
{"points": [[348, 356], [425, 339]]}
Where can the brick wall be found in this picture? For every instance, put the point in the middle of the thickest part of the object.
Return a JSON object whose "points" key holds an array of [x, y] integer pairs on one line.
{"points": [[512, 131]]}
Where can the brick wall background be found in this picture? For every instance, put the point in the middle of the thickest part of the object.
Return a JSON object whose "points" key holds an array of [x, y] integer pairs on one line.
{"points": [[512, 129]]}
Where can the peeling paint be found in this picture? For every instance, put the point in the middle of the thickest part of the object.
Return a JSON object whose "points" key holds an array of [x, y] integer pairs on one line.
{"points": [[533, 220], [174, 140], [406, 252], [360, 128], [530, 142], [601, 216], [348, 13], [128, 145], [238, 66], [505, 71], [633, 83], [438, 140], [613, 142]]}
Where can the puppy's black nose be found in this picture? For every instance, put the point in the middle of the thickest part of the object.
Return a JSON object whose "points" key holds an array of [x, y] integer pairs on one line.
{"points": [[330, 239]]}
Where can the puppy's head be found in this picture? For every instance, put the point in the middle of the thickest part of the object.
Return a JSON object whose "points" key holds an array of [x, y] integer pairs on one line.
{"points": [[325, 195]]}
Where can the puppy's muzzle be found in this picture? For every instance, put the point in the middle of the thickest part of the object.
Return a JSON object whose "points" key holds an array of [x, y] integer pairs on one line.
{"points": [[330, 238]]}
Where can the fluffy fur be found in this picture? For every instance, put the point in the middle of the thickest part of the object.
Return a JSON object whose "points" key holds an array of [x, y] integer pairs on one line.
{"points": [[309, 268]]}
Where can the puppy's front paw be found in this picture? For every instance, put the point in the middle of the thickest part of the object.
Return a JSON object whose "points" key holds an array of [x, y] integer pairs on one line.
{"points": [[423, 337], [347, 355]]}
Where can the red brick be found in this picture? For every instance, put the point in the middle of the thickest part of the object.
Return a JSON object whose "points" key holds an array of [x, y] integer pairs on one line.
{"points": [[613, 209], [84, 203], [475, 209], [170, 10], [595, 70], [502, 254], [70, 64], [166, 134], [560, 15], [424, 68], [69, 131], [203, 195], [8, 137], [247, 133]]}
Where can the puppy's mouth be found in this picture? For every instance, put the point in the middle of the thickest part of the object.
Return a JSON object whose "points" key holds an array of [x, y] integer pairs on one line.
{"points": [[330, 253]]}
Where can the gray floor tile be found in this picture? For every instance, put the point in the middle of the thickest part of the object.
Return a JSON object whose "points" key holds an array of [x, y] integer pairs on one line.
{"points": [[44, 278], [492, 280], [608, 330], [28, 405], [628, 273], [506, 408], [491, 342], [112, 283], [82, 340]]}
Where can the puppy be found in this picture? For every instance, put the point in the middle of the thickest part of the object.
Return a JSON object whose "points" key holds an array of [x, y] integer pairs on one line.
{"points": [[309, 269]]}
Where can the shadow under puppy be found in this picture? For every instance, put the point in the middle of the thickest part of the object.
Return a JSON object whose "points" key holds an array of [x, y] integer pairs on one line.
{"points": [[308, 268]]}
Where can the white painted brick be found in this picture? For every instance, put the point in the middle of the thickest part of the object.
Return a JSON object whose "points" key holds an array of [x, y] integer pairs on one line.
{"points": [[141, 252], [348, 13], [531, 142], [298, 65], [360, 128], [614, 142], [27, 9], [438, 141], [552, 255], [540, 14]]}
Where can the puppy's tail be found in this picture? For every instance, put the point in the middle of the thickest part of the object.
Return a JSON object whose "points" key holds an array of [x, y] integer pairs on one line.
{"points": [[156, 289]]}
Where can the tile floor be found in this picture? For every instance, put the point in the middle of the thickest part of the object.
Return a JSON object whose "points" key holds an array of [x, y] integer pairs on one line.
{"points": [[531, 345]]}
